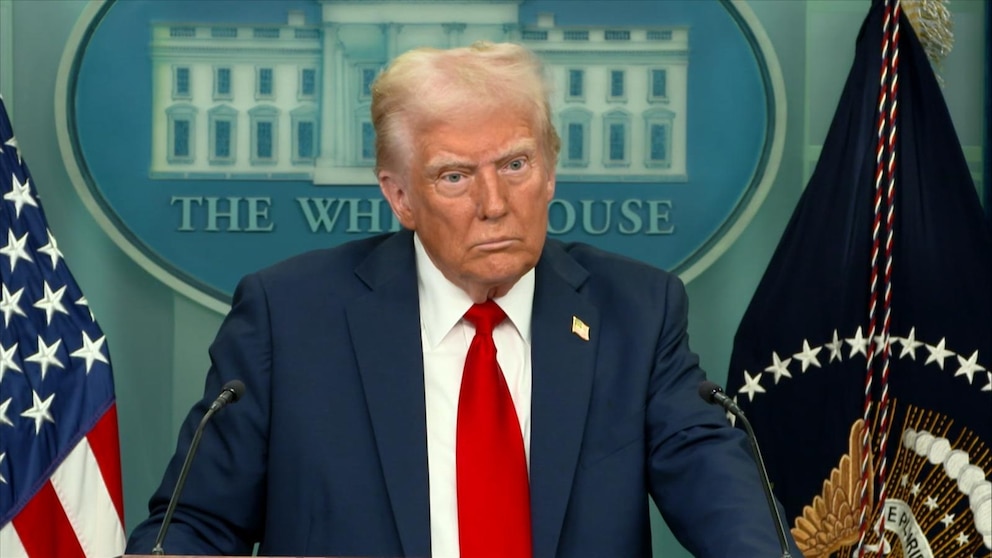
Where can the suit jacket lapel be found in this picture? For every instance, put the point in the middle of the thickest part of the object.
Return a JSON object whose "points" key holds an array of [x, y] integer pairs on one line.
{"points": [[563, 364], [385, 328]]}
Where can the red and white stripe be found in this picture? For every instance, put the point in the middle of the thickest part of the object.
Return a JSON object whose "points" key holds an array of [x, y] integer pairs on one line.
{"points": [[79, 512]]}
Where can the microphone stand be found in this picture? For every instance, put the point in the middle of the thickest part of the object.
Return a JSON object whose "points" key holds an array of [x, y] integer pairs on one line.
{"points": [[712, 393], [183, 473], [231, 392], [766, 485]]}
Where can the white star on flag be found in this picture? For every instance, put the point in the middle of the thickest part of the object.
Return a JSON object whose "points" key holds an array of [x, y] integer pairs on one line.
{"points": [[779, 367], [52, 250], [2, 456], [20, 195], [752, 385], [969, 366], [11, 304], [808, 355], [909, 345], [858, 344], [91, 351], [14, 249], [4, 419], [7, 361], [12, 143], [51, 302], [938, 353], [39, 411], [46, 356], [835, 348]]}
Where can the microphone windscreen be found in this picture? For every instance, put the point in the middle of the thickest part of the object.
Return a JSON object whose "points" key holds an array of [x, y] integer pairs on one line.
{"points": [[708, 389], [237, 389]]}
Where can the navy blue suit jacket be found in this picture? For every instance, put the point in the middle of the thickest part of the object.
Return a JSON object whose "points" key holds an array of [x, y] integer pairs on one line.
{"points": [[326, 454]]}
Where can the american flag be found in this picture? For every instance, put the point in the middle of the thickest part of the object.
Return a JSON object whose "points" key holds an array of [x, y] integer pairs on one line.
{"points": [[60, 481]]}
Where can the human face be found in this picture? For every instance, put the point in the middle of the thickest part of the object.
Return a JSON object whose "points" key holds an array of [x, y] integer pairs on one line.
{"points": [[476, 191]]}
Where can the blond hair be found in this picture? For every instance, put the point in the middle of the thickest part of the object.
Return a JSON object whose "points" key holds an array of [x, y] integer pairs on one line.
{"points": [[428, 85]]}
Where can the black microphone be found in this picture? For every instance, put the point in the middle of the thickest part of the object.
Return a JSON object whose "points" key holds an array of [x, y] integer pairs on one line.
{"points": [[231, 392], [712, 393]]}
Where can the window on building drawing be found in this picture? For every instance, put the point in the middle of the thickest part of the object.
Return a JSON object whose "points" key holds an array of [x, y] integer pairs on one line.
{"points": [[308, 83], [222, 139], [264, 89], [575, 141], [616, 126], [223, 120], [618, 142], [658, 125], [181, 86], [222, 83], [576, 85], [181, 134], [264, 140], [618, 85], [305, 138], [659, 85], [181, 139]]}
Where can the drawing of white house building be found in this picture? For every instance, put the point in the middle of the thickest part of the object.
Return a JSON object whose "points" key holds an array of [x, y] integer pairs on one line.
{"points": [[291, 100]]}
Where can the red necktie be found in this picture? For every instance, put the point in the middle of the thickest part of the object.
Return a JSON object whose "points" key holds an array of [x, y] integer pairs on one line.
{"points": [[493, 486]]}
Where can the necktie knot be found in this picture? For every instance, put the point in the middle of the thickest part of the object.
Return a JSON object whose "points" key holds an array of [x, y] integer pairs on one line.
{"points": [[485, 317]]}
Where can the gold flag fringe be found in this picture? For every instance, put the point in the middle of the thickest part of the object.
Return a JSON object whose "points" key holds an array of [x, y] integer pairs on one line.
{"points": [[932, 22]]}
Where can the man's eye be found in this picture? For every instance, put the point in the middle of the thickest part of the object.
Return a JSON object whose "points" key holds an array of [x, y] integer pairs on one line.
{"points": [[452, 177], [516, 164]]}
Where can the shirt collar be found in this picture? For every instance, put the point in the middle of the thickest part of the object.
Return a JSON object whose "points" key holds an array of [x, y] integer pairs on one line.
{"points": [[442, 303]]}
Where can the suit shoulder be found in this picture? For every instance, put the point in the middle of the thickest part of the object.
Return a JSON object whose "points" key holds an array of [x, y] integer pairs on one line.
{"points": [[599, 262], [331, 266], [345, 257]]}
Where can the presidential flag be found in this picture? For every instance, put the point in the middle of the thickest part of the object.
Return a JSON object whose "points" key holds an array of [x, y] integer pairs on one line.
{"points": [[863, 360], [60, 479]]}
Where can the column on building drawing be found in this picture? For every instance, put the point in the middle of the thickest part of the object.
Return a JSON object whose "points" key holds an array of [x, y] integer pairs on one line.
{"points": [[329, 120], [340, 104], [391, 31]]}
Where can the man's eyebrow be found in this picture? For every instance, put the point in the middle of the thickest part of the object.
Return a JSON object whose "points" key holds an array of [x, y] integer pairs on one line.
{"points": [[443, 161], [526, 146], [522, 147]]}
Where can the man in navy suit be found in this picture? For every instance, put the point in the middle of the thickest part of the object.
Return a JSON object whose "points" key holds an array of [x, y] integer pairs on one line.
{"points": [[349, 439]]}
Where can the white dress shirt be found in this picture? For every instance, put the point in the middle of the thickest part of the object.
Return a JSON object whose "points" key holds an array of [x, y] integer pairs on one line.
{"points": [[446, 336]]}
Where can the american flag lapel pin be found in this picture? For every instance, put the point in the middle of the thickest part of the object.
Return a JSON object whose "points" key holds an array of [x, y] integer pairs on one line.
{"points": [[580, 328]]}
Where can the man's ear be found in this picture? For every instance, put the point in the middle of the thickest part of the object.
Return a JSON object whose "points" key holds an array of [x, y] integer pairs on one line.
{"points": [[394, 189], [550, 186]]}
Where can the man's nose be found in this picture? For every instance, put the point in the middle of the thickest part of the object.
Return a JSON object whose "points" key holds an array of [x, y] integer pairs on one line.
{"points": [[491, 194]]}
